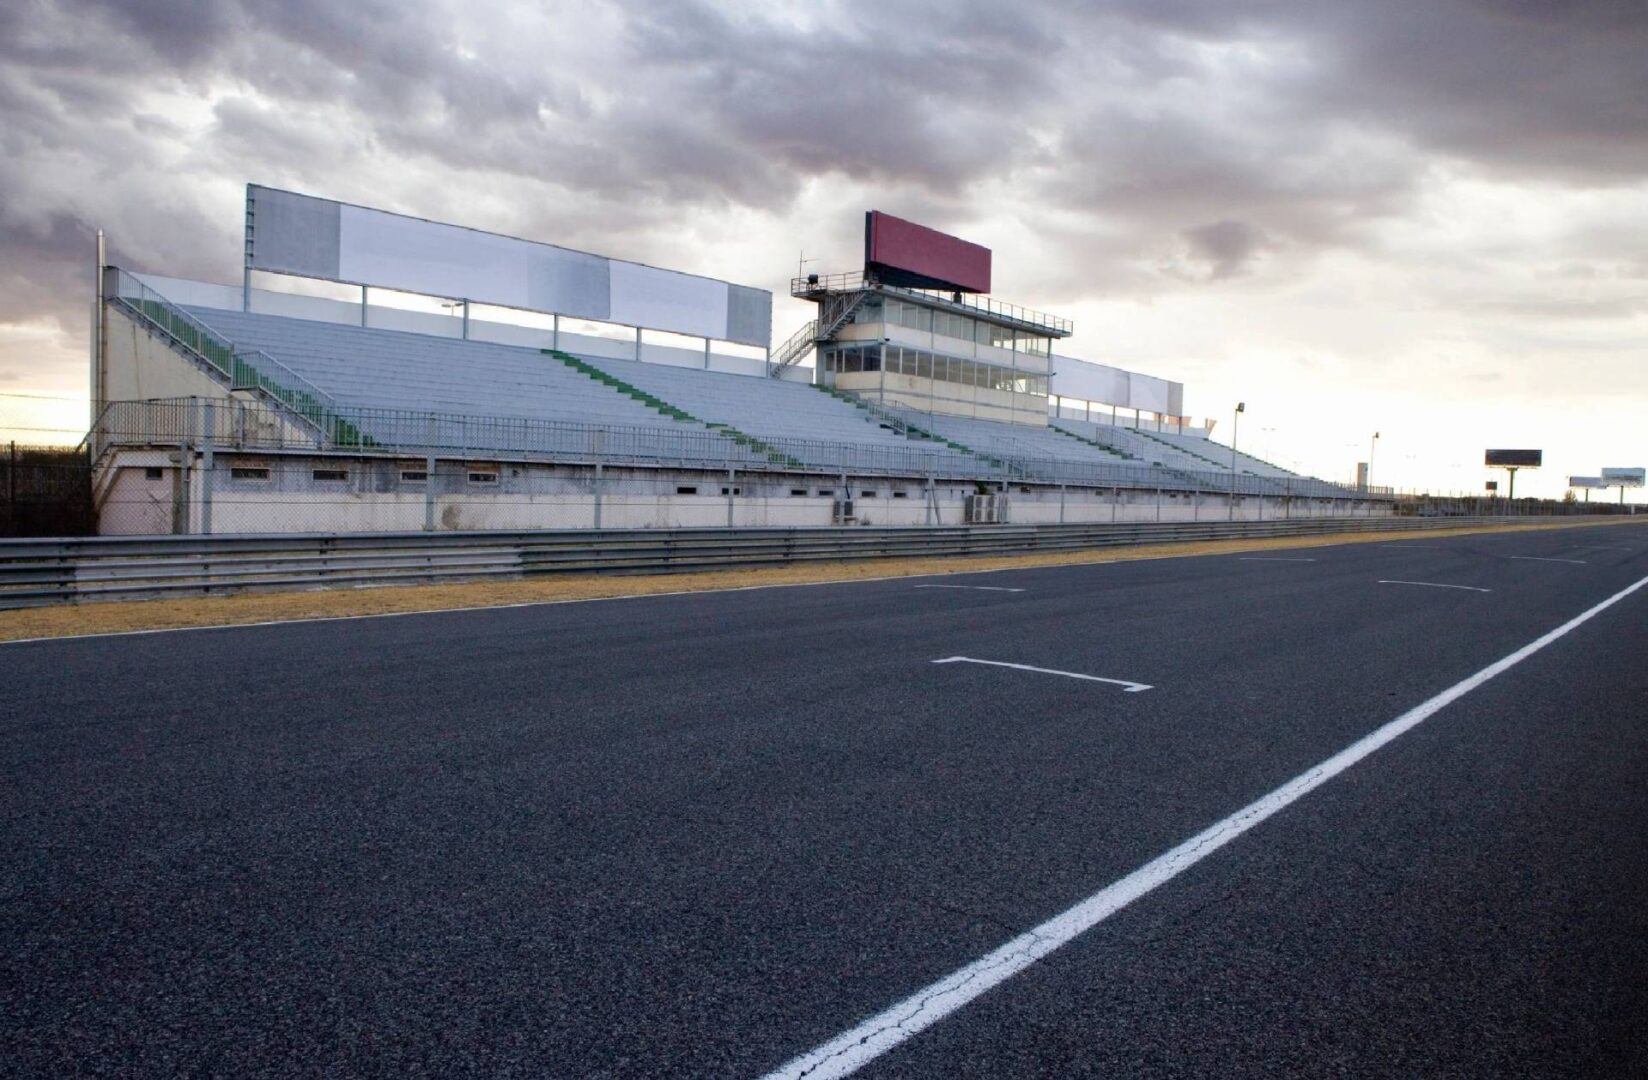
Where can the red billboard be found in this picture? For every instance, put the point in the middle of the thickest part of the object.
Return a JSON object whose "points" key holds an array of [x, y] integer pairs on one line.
{"points": [[913, 256]]}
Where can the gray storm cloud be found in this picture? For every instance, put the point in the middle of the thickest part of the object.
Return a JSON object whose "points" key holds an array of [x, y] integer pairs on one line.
{"points": [[1125, 130]]}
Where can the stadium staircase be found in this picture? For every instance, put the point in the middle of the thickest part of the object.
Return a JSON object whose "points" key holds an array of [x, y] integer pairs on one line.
{"points": [[250, 371], [659, 405], [1121, 455], [837, 311], [1211, 463], [898, 423]]}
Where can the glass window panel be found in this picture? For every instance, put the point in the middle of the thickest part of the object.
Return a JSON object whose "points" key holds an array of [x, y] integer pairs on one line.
{"points": [[924, 365]]}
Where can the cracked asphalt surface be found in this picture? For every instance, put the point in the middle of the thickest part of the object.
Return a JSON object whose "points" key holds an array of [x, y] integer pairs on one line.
{"points": [[701, 835]]}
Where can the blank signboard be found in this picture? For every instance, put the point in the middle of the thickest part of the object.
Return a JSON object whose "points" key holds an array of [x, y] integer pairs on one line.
{"points": [[288, 233]]}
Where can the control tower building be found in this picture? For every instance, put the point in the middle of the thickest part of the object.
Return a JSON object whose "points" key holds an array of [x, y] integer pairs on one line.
{"points": [[916, 329]]}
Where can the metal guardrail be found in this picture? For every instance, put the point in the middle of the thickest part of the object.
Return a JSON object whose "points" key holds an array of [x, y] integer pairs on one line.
{"points": [[36, 573]]}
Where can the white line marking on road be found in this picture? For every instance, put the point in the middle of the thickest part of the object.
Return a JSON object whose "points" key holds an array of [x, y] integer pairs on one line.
{"points": [[1541, 558], [1129, 687], [851, 1050], [975, 588], [1401, 546], [1434, 585], [1260, 558]]}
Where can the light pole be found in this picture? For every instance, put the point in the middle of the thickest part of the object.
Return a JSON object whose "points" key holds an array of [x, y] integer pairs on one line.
{"points": [[1373, 444], [1235, 426]]}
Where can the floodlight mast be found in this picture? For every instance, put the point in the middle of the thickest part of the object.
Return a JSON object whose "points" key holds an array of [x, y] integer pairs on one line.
{"points": [[1235, 427]]}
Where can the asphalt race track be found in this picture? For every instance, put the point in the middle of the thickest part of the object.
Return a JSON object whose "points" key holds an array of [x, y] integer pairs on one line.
{"points": [[703, 835]]}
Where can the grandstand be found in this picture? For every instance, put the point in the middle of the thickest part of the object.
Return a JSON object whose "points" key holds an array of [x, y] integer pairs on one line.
{"points": [[236, 410]]}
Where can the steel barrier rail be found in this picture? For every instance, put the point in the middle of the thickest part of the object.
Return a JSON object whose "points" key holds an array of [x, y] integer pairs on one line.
{"points": [[40, 572]]}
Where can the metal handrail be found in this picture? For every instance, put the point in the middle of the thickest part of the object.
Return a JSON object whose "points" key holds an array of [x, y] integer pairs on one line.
{"points": [[246, 369], [253, 427], [814, 285], [790, 353]]}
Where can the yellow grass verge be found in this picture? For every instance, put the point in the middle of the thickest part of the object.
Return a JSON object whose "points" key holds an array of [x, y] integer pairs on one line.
{"points": [[116, 617]]}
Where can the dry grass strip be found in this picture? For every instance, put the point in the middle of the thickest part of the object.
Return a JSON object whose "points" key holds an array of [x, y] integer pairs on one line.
{"points": [[122, 616]]}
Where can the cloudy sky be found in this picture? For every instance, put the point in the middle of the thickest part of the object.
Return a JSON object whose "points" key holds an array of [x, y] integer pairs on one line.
{"points": [[1423, 217]]}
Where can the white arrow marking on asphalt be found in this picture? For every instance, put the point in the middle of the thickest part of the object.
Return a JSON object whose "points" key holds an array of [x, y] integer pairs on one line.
{"points": [[975, 588], [1435, 585], [1129, 687]]}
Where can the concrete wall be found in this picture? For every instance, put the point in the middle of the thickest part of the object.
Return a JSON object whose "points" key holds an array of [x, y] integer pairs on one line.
{"points": [[374, 497]]}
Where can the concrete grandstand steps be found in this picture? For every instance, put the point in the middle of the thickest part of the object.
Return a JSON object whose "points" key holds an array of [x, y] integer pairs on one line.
{"points": [[1120, 455], [774, 411], [1206, 461], [887, 419], [777, 457], [1247, 463], [388, 369], [999, 440]]}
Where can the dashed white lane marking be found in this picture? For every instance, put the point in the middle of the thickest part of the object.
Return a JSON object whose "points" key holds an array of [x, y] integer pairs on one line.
{"points": [[1434, 585], [1262, 558], [851, 1050], [1542, 558], [975, 588], [1127, 685]]}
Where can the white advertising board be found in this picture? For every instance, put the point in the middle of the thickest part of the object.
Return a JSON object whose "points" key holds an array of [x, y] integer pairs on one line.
{"points": [[1624, 477], [1587, 482], [1103, 384], [288, 233]]}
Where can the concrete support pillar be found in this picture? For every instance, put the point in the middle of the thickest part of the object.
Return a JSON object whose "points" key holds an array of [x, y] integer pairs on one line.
{"points": [[429, 493]]}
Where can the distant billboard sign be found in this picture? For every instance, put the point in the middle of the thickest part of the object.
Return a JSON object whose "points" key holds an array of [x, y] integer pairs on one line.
{"points": [[1587, 482], [1493, 485], [1624, 477], [288, 233], [1515, 459], [913, 256]]}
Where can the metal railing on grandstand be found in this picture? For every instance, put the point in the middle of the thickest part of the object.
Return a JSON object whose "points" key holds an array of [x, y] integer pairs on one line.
{"points": [[257, 425], [249, 370], [814, 285]]}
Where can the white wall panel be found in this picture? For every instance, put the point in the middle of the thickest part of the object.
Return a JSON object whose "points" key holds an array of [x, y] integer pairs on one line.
{"points": [[1147, 393], [299, 234], [422, 256], [647, 296]]}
